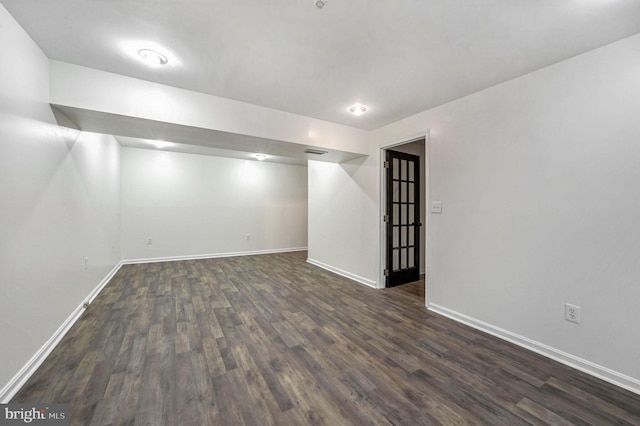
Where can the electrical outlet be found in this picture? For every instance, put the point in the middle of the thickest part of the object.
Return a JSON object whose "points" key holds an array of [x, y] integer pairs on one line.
{"points": [[86, 263], [572, 313], [248, 237], [436, 207], [149, 241]]}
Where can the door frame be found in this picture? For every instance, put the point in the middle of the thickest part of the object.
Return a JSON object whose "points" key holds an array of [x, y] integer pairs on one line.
{"points": [[382, 230]]}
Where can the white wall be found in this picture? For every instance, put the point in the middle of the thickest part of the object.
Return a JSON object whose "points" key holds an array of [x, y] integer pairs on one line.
{"points": [[60, 203], [193, 205], [539, 182], [341, 228]]}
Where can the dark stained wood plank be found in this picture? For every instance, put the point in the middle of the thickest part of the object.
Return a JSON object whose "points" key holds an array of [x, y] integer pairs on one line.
{"points": [[545, 416], [594, 401], [273, 340]]}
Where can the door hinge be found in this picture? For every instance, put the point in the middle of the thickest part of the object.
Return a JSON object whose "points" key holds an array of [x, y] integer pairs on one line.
{"points": [[386, 272], [387, 164], [386, 218]]}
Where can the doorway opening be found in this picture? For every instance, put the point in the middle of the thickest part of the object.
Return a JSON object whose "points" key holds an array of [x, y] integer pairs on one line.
{"points": [[404, 194]]}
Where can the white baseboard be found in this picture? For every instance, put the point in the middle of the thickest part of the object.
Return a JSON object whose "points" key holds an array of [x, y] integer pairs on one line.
{"points": [[212, 255], [345, 274], [14, 385], [606, 374], [96, 291]]}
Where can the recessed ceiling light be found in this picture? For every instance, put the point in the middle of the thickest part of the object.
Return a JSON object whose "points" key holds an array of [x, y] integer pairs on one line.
{"points": [[151, 52], [357, 109], [261, 157], [153, 57]]}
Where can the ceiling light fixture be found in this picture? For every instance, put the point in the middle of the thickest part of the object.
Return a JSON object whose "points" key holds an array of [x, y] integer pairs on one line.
{"points": [[320, 3], [261, 157], [357, 109], [153, 57]]}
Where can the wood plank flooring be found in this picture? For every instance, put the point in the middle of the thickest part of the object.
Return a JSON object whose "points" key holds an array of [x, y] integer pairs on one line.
{"points": [[272, 340]]}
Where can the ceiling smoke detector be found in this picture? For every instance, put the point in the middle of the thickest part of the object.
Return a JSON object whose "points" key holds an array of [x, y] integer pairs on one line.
{"points": [[320, 3]]}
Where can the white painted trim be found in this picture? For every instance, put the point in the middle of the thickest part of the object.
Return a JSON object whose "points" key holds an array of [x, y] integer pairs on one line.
{"points": [[14, 385], [606, 374], [211, 256], [96, 291], [354, 277], [382, 229], [427, 217]]}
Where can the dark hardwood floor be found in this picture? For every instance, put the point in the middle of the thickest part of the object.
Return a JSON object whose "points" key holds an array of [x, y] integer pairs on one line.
{"points": [[272, 340]]}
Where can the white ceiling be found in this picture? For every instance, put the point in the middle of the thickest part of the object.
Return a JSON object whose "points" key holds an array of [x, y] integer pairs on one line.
{"points": [[397, 57]]}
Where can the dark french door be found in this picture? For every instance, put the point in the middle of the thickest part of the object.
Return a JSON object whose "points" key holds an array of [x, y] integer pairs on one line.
{"points": [[402, 218]]}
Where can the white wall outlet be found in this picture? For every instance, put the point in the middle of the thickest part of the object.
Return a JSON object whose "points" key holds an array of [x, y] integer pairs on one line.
{"points": [[149, 241], [86, 263], [436, 207], [248, 237], [572, 313]]}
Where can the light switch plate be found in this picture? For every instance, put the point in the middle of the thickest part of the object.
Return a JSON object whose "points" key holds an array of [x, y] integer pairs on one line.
{"points": [[436, 207]]}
